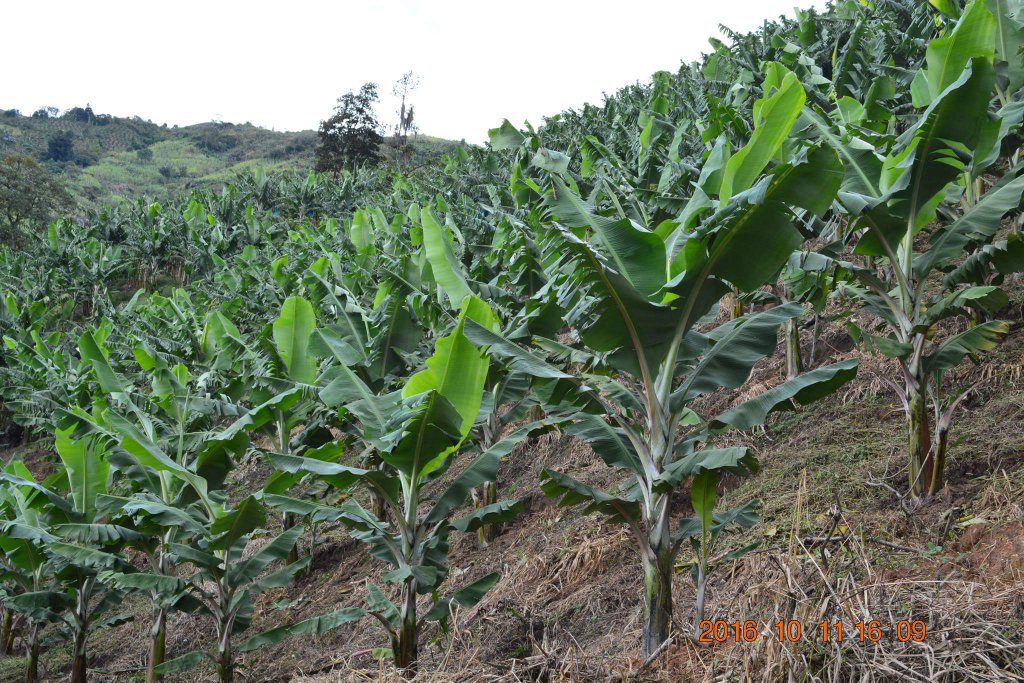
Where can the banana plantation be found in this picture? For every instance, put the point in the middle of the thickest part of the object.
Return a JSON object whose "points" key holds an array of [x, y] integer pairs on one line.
{"points": [[210, 402]]}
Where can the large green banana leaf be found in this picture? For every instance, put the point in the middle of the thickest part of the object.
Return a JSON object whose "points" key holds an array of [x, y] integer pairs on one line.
{"points": [[292, 331], [87, 469]]}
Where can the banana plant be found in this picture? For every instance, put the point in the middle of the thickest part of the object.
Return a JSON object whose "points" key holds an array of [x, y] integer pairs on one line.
{"points": [[809, 277], [364, 413], [170, 445], [55, 548], [180, 459], [30, 388], [217, 550], [508, 399], [199, 527], [87, 543], [97, 266], [293, 367], [507, 392], [28, 576], [372, 343], [915, 209], [635, 294], [167, 418], [421, 440]]}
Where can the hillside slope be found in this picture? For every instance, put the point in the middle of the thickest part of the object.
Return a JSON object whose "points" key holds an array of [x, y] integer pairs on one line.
{"points": [[838, 541], [113, 157], [118, 323]]}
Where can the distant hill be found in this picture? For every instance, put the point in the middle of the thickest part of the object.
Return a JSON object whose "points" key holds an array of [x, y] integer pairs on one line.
{"points": [[113, 157]]}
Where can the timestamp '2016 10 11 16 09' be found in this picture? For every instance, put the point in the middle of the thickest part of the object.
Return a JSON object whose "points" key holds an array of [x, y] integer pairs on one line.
{"points": [[869, 630]]}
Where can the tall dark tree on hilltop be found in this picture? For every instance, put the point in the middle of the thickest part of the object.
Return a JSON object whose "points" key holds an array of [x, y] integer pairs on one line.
{"points": [[352, 135], [79, 114]]}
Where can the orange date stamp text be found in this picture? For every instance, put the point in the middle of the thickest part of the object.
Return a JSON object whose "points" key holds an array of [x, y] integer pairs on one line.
{"points": [[873, 630]]}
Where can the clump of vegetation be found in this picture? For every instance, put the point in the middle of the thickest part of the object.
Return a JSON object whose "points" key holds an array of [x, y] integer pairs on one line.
{"points": [[60, 147], [29, 197]]}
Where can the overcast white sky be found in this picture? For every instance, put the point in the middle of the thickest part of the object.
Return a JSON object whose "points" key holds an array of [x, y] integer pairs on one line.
{"points": [[283, 64]]}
